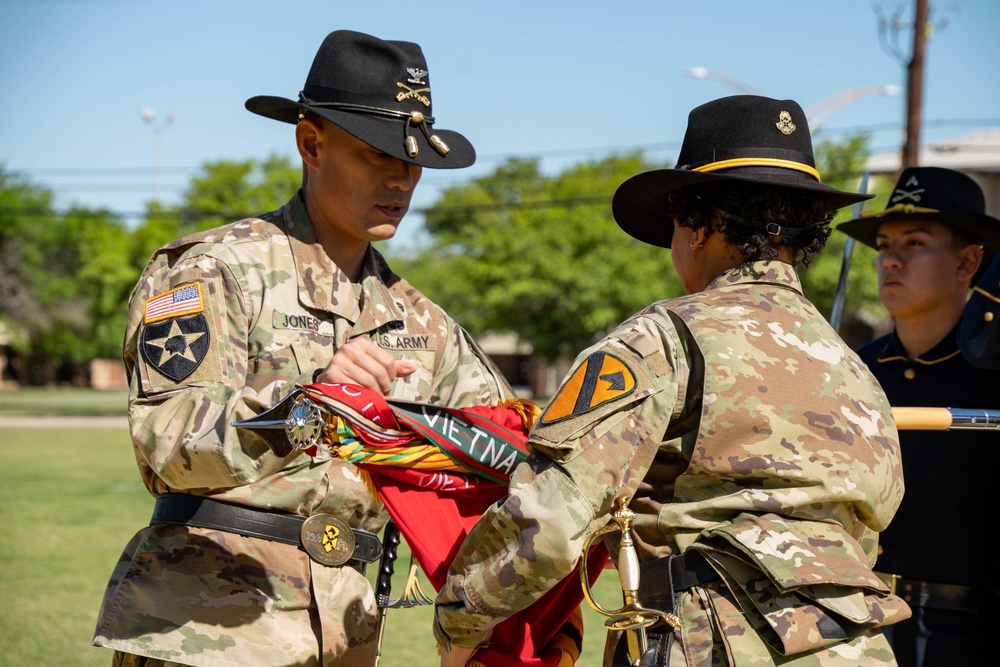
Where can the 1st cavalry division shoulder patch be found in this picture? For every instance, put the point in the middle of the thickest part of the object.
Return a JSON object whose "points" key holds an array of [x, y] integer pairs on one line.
{"points": [[175, 334], [602, 377]]}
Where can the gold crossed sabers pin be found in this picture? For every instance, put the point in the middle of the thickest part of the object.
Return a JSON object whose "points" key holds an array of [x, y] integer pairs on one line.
{"points": [[413, 92]]}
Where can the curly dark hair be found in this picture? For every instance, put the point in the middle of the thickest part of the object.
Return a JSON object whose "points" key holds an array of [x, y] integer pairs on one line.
{"points": [[696, 207]]}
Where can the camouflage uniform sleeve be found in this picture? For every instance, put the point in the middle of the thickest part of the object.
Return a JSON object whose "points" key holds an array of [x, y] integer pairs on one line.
{"points": [[465, 375], [181, 427], [594, 443]]}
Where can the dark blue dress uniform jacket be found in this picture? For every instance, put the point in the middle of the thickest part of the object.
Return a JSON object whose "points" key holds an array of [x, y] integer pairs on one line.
{"points": [[979, 338], [945, 527]]}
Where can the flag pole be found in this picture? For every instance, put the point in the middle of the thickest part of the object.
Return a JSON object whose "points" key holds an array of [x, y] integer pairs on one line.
{"points": [[840, 296]]}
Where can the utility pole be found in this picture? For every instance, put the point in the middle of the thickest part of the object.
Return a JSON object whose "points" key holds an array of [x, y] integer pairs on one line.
{"points": [[149, 116], [915, 86]]}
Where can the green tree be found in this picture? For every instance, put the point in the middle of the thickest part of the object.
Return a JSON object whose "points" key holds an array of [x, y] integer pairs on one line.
{"points": [[842, 166], [222, 192], [542, 257], [61, 277], [516, 251], [227, 190]]}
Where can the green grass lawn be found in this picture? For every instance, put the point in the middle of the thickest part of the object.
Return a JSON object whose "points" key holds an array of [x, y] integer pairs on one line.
{"points": [[71, 499], [68, 401]]}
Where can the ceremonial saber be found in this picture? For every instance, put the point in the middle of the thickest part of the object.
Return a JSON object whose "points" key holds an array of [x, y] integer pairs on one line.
{"points": [[945, 419]]}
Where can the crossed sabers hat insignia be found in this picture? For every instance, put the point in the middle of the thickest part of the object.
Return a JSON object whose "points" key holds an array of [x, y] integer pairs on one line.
{"points": [[415, 93]]}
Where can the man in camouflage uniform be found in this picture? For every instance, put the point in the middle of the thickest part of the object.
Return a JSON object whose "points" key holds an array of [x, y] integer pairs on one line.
{"points": [[934, 239], [223, 324], [758, 453]]}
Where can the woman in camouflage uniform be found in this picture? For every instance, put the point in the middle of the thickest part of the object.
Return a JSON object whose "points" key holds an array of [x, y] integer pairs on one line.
{"points": [[758, 452]]}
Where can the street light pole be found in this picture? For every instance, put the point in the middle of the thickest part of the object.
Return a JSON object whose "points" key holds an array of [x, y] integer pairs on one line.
{"points": [[149, 116], [818, 112], [705, 73], [815, 114]]}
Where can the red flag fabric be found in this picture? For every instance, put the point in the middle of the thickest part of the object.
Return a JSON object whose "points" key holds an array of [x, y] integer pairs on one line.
{"points": [[435, 500]]}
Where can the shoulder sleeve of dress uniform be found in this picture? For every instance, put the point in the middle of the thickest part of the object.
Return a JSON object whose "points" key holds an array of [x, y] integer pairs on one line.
{"points": [[979, 335]]}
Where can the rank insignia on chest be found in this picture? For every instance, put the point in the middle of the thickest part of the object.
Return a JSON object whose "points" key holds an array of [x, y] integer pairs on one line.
{"points": [[177, 346], [602, 377]]}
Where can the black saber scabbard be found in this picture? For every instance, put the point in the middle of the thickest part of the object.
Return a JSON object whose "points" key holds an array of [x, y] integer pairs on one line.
{"points": [[386, 567], [383, 581]]}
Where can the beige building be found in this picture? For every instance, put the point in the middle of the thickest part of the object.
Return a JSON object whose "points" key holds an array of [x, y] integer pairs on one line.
{"points": [[976, 154]]}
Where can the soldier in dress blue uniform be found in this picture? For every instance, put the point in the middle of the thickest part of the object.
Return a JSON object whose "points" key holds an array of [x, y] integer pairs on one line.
{"points": [[934, 240]]}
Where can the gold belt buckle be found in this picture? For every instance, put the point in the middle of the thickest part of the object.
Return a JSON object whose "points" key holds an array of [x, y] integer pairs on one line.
{"points": [[889, 580], [329, 540]]}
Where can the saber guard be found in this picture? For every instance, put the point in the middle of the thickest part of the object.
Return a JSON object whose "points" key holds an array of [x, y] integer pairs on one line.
{"points": [[294, 423], [632, 617]]}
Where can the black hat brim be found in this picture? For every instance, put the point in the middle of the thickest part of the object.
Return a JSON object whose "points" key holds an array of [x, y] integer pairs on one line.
{"points": [[979, 226], [385, 134], [639, 203]]}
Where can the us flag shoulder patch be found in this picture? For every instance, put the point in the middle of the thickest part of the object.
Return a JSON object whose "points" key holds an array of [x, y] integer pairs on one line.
{"points": [[601, 378], [183, 300]]}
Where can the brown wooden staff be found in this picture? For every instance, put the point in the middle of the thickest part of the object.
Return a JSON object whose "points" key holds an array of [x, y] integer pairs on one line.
{"points": [[945, 419]]}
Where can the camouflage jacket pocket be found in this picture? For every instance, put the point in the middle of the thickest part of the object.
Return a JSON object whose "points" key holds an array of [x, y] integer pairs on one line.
{"points": [[802, 585]]}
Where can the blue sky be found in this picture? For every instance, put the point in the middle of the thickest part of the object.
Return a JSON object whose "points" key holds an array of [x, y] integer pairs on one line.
{"points": [[564, 81]]}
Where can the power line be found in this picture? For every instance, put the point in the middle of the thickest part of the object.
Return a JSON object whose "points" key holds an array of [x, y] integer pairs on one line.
{"points": [[652, 147], [607, 151], [196, 214]]}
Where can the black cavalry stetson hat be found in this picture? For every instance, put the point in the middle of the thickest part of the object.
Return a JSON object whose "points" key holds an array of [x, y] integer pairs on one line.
{"points": [[379, 91], [744, 138], [937, 194]]}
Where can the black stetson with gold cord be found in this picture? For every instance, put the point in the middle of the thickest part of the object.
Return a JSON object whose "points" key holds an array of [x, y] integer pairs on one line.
{"points": [[939, 195], [380, 92], [745, 138]]}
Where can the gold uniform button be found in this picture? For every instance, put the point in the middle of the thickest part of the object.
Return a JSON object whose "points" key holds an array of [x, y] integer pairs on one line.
{"points": [[988, 316], [909, 374]]}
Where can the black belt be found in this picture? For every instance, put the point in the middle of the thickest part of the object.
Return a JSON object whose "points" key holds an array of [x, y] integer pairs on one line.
{"points": [[660, 579], [326, 538], [929, 594]]}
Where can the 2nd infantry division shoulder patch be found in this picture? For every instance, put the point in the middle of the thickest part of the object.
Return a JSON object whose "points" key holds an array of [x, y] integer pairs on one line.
{"points": [[176, 346], [602, 377], [171, 343]]}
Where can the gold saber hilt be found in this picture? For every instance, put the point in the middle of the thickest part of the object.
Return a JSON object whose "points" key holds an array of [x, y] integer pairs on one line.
{"points": [[632, 616], [945, 419]]}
